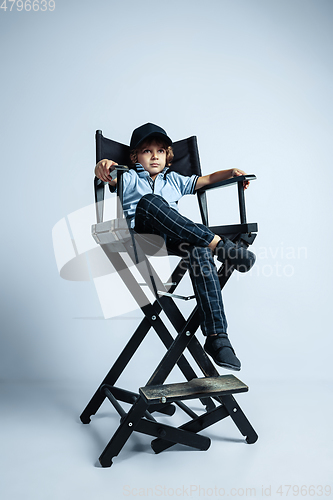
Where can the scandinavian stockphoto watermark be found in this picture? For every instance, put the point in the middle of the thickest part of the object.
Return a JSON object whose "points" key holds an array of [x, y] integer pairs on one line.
{"points": [[280, 261], [27, 5], [195, 491]]}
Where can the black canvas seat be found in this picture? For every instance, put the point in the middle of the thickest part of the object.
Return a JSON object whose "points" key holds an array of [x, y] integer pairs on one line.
{"points": [[214, 391]]}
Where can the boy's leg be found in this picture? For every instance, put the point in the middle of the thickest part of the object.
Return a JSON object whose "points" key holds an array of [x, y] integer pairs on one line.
{"points": [[206, 286], [154, 216], [213, 322]]}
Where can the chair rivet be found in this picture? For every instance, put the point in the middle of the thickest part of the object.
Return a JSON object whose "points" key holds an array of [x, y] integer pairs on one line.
{"points": [[130, 424], [234, 410], [153, 318], [188, 333], [163, 399]]}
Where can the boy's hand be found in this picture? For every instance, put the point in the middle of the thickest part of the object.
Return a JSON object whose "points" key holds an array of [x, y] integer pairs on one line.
{"points": [[103, 168], [237, 172]]}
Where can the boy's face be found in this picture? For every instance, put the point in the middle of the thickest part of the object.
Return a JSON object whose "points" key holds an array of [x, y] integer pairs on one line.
{"points": [[152, 157]]}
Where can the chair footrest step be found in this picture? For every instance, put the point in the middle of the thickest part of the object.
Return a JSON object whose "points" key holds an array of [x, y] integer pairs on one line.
{"points": [[195, 388]]}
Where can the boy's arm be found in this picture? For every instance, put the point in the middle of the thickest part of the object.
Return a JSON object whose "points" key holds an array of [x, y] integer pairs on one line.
{"points": [[221, 175], [102, 171]]}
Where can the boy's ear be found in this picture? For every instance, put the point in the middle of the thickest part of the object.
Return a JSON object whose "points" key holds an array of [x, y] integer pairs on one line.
{"points": [[133, 157]]}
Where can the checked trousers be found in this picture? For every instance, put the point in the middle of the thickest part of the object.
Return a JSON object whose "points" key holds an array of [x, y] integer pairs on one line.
{"points": [[189, 240]]}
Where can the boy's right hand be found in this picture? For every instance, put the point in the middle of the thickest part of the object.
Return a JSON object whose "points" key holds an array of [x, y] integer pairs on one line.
{"points": [[103, 168]]}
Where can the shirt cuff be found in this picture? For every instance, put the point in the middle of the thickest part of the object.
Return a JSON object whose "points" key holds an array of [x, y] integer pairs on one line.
{"points": [[194, 183]]}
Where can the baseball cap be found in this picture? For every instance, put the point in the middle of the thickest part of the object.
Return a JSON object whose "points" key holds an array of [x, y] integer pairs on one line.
{"points": [[147, 130]]}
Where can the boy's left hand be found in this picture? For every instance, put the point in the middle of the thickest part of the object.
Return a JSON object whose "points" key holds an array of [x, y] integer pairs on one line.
{"points": [[237, 172]]}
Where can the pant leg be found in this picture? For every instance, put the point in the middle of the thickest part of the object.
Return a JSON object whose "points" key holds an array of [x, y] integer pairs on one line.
{"points": [[154, 215], [207, 289]]}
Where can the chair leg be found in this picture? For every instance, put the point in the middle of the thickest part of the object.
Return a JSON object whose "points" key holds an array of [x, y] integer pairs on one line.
{"points": [[239, 418], [195, 425], [186, 329], [174, 435], [116, 370], [125, 429], [229, 407]]}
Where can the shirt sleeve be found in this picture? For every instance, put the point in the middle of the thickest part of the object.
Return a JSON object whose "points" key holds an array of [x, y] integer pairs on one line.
{"points": [[185, 184], [127, 182]]}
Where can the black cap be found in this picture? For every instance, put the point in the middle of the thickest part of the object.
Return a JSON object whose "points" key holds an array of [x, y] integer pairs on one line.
{"points": [[142, 133]]}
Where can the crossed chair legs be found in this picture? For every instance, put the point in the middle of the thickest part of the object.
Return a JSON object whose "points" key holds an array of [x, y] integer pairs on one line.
{"points": [[159, 397], [155, 395]]}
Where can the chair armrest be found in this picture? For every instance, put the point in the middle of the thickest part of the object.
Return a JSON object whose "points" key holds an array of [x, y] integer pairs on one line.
{"points": [[99, 192], [233, 180], [241, 199]]}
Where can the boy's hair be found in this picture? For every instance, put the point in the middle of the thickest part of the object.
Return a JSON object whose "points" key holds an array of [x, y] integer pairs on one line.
{"points": [[144, 144]]}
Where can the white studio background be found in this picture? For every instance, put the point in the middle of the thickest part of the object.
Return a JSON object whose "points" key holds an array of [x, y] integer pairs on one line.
{"points": [[252, 79]]}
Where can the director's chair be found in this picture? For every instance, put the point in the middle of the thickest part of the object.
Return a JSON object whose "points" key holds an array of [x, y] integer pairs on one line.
{"points": [[214, 391]]}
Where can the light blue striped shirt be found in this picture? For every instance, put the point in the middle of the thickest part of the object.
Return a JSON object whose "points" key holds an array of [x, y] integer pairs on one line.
{"points": [[170, 185]]}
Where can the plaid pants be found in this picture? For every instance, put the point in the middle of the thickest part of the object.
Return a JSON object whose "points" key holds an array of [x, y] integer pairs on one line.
{"points": [[190, 241]]}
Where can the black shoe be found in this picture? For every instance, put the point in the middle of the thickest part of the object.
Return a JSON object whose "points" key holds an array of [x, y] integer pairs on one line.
{"points": [[220, 349], [237, 256]]}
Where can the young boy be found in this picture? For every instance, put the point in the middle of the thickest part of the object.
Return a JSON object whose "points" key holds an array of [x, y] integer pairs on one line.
{"points": [[150, 195]]}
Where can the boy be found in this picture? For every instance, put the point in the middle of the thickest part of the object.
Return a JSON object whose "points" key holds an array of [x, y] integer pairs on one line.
{"points": [[150, 198]]}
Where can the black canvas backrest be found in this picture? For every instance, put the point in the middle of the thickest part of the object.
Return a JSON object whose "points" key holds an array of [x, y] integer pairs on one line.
{"points": [[186, 160], [186, 157], [111, 150]]}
